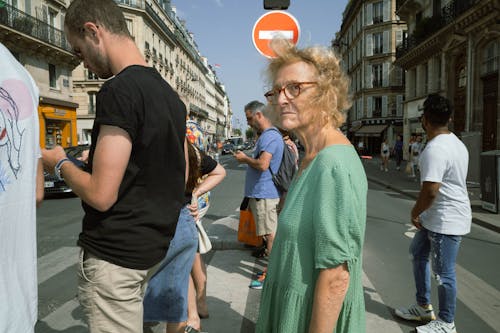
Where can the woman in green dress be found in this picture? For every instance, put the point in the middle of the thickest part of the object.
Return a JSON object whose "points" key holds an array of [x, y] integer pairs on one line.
{"points": [[314, 278]]}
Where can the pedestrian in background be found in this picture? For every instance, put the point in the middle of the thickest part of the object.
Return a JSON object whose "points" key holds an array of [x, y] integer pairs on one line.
{"points": [[167, 295], [384, 155], [132, 188], [314, 279], [21, 190], [398, 151], [442, 215], [415, 149], [259, 185]]}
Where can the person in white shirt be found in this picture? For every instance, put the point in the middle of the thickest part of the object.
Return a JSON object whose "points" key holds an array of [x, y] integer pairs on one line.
{"points": [[415, 149], [21, 187], [442, 215]]}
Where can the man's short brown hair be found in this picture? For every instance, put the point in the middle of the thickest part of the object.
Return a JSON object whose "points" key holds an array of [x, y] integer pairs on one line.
{"points": [[101, 12]]}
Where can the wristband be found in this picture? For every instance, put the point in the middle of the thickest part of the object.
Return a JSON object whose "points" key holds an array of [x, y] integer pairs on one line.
{"points": [[57, 168]]}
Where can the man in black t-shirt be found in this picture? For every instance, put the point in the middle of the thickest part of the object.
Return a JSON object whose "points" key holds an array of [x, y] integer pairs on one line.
{"points": [[133, 188]]}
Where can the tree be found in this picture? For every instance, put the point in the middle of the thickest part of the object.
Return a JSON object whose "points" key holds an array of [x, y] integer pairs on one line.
{"points": [[236, 132], [249, 133]]}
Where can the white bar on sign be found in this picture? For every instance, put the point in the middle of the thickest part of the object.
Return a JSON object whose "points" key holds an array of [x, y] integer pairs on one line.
{"points": [[270, 34]]}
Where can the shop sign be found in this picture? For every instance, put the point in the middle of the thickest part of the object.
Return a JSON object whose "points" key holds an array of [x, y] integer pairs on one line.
{"points": [[59, 112]]}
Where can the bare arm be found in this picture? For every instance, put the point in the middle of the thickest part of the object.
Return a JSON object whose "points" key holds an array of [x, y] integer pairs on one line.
{"points": [[212, 180], [39, 183], [329, 294], [261, 163], [426, 197], [111, 157]]}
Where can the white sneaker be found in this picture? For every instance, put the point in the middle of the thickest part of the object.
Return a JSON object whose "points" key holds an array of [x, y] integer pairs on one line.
{"points": [[437, 326], [416, 313]]}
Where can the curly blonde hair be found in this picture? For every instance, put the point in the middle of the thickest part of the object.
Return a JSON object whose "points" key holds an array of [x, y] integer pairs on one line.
{"points": [[332, 99]]}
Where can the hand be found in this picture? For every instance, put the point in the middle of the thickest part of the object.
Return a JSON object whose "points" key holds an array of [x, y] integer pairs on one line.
{"points": [[193, 207], [85, 156], [239, 155], [50, 157], [415, 220]]}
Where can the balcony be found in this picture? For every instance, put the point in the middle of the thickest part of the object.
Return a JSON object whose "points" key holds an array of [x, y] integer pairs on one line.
{"points": [[22, 30], [429, 26]]}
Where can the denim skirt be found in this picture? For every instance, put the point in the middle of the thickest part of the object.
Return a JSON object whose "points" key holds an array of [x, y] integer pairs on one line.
{"points": [[165, 298]]}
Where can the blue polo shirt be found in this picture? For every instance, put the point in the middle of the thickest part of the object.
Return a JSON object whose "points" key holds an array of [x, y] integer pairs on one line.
{"points": [[259, 184]]}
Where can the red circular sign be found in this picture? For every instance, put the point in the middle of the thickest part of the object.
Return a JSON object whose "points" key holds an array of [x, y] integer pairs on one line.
{"points": [[271, 25]]}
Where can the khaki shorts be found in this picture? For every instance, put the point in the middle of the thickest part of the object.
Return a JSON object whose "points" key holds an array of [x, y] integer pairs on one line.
{"points": [[110, 295], [265, 213]]}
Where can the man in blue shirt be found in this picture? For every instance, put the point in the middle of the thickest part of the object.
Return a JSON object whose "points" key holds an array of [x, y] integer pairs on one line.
{"points": [[259, 186]]}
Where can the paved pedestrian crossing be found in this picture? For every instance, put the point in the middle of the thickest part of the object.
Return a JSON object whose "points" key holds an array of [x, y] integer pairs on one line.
{"points": [[234, 307]]}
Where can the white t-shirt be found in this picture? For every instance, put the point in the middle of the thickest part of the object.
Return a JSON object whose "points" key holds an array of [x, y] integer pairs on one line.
{"points": [[19, 153], [445, 160]]}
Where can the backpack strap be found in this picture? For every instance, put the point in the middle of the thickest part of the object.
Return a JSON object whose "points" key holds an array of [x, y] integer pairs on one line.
{"points": [[284, 147]]}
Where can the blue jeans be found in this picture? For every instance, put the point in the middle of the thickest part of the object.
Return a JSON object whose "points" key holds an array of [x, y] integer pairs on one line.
{"points": [[165, 298], [443, 249]]}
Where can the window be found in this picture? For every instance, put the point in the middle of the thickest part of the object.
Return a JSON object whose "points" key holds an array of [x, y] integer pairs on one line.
{"points": [[462, 77], [378, 12], [92, 102], [91, 76], [377, 75], [438, 72], [490, 58], [377, 106], [425, 74], [52, 76], [130, 26], [378, 43]]}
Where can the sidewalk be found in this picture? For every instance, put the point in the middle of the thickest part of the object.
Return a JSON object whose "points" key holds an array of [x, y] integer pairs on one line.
{"points": [[400, 182]]}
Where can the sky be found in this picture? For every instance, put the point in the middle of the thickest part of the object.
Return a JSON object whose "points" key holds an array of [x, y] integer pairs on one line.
{"points": [[223, 32]]}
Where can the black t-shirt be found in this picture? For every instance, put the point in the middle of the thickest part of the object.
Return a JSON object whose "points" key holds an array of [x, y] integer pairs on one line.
{"points": [[206, 166], [136, 231]]}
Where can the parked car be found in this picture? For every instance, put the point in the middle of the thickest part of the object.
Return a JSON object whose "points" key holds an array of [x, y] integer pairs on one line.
{"points": [[248, 145], [52, 184], [227, 148]]}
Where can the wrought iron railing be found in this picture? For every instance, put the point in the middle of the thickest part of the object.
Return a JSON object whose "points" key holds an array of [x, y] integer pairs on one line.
{"points": [[31, 26], [430, 25]]}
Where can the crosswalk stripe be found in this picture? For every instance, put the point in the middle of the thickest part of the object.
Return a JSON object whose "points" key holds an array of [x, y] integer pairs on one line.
{"points": [[56, 261], [378, 322], [64, 318], [478, 296]]}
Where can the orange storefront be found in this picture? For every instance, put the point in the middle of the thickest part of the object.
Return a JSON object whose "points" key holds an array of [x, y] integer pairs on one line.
{"points": [[57, 123]]}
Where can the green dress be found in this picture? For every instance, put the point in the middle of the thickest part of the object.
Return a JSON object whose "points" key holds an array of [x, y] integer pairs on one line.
{"points": [[321, 226]]}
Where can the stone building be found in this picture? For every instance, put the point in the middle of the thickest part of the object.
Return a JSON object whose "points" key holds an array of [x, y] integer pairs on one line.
{"points": [[31, 30], [367, 43], [452, 48]]}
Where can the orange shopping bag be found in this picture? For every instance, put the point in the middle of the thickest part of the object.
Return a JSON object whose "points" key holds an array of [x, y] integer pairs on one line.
{"points": [[247, 231]]}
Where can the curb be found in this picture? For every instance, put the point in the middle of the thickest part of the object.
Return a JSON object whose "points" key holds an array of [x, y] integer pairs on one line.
{"points": [[224, 244], [475, 220]]}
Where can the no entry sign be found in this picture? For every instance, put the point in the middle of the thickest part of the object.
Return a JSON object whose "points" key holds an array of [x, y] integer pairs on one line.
{"points": [[271, 25]]}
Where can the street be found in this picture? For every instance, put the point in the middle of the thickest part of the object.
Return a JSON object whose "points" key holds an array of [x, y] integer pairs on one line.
{"points": [[233, 307]]}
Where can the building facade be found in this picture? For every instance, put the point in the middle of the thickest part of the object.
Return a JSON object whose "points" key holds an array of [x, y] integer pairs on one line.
{"points": [[367, 42], [169, 47], [452, 48], [32, 31]]}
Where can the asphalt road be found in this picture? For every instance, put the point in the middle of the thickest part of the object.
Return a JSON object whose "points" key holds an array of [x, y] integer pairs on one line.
{"points": [[388, 278]]}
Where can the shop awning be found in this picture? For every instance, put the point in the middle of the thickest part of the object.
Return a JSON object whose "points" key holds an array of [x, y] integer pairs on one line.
{"points": [[371, 130]]}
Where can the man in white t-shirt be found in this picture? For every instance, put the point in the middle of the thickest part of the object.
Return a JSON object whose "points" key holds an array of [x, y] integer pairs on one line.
{"points": [[442, 215], [21, 186], [415, 150]]}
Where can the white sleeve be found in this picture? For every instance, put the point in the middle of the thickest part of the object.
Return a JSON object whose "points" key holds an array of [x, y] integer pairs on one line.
{"points": [[432, 165]]}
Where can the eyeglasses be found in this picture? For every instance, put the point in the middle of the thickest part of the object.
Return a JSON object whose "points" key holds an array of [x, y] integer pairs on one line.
{"points": [[291, 90]]}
